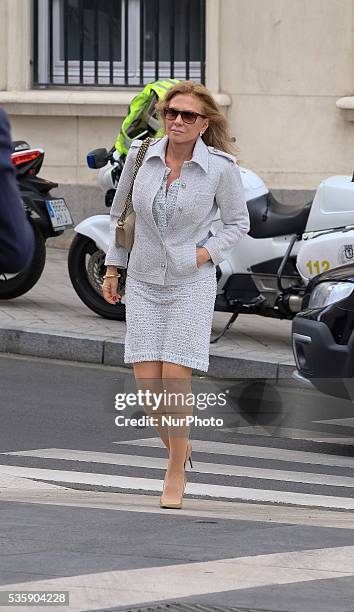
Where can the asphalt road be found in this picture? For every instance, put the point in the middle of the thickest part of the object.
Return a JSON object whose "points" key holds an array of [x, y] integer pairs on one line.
{"points": [[267, 521]]}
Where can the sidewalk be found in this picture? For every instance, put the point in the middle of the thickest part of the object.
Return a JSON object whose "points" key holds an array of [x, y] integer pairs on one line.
{"points": [[51, 321]]}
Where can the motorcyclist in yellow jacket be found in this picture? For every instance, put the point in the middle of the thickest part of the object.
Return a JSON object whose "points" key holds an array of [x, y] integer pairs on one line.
{"points": [[140, 122]]}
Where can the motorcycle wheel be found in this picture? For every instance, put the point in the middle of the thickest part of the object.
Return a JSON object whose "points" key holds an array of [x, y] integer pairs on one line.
{"points": [[86, 270], [14, 285]]}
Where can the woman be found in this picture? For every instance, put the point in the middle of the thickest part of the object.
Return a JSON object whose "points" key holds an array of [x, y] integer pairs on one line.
{"points": [[171, 276]]}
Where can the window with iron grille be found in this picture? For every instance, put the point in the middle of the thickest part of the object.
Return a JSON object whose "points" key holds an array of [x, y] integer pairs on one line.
{"points": [[118, 43]]}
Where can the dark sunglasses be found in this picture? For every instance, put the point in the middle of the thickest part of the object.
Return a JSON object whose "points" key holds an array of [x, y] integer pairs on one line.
{"points": [[187, 116]]}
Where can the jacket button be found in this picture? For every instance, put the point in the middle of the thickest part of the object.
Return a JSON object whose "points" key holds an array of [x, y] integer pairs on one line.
{"points": [[183, 185], [163, 265], [180, 208]]}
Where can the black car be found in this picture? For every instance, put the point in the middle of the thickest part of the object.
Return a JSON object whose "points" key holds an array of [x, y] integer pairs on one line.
{"points": [[323, 333]]}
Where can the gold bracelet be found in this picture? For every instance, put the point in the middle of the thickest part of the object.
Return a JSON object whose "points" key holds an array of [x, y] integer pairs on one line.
{"points": [[112, 276]]}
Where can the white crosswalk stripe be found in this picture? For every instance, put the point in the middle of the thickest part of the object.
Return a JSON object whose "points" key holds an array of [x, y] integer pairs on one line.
{"points": [[145, 585], [205, 490], [349, 422], [261, 452], [292, 433], [199, 466], [149, 477]]}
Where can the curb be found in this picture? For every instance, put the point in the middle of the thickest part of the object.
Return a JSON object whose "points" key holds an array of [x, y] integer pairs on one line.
{"points": [[74, 347]]}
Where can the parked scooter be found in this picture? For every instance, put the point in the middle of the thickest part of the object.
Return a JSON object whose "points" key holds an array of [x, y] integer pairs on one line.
{"points": [[48, 216]]}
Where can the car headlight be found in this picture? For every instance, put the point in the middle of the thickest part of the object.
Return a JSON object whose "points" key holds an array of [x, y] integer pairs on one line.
{"points": [[329, 293]]}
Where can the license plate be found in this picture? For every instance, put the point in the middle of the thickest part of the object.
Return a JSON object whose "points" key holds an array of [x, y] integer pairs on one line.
{"points": [[59, 214]]}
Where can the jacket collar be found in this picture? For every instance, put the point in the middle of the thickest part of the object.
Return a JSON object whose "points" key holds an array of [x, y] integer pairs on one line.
{"points": [[200, 152]]}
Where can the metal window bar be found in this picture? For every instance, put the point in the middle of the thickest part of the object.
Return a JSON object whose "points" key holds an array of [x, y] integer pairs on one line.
{"points": [[50, 26], [74, 71], [142, 41], [172, 38], [110, 43], [126, 42], [81, 41], [187, 36], [202, 41], [66, 41], [96, 47], [157, 38], [35, 42]]}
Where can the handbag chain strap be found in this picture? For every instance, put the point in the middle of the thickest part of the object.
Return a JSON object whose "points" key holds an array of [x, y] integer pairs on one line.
{"points": [[138, 163]]}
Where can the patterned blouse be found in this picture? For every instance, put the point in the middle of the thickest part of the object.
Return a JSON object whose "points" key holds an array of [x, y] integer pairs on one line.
{"points": [[165, 203]]}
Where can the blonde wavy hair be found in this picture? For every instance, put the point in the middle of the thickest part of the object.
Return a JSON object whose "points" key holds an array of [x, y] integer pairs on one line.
{"points": [[218, 132]]}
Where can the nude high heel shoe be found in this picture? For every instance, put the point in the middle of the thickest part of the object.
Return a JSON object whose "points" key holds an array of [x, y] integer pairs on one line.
{"points": [[188, 456], [165, 503], [178, 502]]}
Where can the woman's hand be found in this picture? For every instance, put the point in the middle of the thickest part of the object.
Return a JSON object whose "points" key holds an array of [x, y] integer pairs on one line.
{"points": [[109, 288], [203, 256]]}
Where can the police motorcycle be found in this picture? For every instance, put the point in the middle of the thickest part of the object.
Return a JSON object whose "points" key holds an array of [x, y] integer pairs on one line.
{"points": [[265, 273], [48, 215]]}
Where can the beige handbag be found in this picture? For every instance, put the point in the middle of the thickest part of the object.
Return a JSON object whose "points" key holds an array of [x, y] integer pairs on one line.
{"points": [[126, 224]]}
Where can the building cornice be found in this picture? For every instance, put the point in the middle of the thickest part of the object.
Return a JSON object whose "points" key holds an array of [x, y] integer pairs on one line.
{"points": [[87, 103]]}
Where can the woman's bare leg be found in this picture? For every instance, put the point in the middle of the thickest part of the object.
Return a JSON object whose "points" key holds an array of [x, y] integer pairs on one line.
{"points": [[176, 380], [148, 376]]}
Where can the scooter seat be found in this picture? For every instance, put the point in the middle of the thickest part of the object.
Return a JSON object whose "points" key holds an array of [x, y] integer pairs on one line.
{"points": [[270, 218]]}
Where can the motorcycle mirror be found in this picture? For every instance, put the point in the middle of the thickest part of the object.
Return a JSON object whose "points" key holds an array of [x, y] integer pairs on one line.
{"points": [[97, 158]]}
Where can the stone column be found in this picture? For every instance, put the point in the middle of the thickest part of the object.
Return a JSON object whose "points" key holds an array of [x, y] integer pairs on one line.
{"points": [[212, 45], [19, 43], [3, 44]]}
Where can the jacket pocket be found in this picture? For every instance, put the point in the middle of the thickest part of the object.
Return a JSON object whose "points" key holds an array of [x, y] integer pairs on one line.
{"points": [[146, 254], [183, 259]]}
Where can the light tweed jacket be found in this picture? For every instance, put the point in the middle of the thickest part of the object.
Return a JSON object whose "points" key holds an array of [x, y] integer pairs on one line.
{"points": [[210, 180]]}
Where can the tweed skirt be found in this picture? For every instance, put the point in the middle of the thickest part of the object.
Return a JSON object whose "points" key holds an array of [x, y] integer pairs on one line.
{"points": [[169, 322]]}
